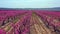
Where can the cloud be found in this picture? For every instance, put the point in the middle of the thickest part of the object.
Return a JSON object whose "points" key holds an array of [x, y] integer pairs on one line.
{"points": [[29, 3]]}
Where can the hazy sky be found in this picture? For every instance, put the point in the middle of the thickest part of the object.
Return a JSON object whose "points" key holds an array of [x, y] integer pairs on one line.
{"points": [[29, 3]]}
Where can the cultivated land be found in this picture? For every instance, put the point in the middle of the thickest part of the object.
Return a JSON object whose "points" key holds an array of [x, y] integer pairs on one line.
{"points": [[29, 22]]}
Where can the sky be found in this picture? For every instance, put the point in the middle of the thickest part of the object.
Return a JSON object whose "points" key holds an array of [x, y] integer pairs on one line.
{"points": [[29, 3]]}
